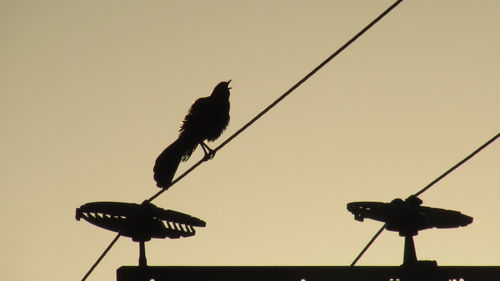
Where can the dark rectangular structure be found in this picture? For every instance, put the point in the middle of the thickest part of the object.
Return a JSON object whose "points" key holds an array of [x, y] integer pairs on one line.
{"points": [[429, 272]]}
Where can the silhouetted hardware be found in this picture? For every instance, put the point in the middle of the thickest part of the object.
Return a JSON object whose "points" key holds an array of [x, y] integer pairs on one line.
{"points": [[309, 273], [139, 222], [407, 217], [207, 118], [404, 216]]}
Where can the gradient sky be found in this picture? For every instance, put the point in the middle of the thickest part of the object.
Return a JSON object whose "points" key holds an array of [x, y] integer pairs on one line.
{"points": [[92, 91]]}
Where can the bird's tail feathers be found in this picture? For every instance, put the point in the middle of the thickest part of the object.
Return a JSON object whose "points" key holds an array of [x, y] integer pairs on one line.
{"points": [[168, 161]]}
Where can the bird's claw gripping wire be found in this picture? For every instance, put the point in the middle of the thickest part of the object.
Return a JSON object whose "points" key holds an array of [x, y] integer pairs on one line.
{"points": [[209, 153]]}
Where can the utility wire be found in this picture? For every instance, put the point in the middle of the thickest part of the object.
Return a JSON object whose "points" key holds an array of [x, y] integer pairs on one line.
{"points": [[179, 177], [426, 188], [458, 165], [368, 245], [284, 95], [101, 257]]}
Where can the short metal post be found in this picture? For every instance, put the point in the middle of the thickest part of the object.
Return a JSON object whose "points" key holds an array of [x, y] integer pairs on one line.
{"points": [[142, 254], [410, 255]]}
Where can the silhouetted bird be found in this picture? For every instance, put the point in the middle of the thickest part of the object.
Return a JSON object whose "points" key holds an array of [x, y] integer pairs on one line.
{"points": [[206, 120]]}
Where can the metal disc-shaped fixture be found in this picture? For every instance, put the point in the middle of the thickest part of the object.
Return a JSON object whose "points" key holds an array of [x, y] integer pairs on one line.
{"points": [[141, 222], [407, 217]]}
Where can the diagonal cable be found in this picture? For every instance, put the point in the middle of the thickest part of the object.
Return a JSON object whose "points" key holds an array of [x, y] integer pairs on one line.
{"points": [[101, 257], [457, 165], [368, 245], [284, 95]]}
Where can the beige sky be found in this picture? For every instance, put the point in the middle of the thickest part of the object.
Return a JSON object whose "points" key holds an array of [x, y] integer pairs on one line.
{"points": [[91, 92]]}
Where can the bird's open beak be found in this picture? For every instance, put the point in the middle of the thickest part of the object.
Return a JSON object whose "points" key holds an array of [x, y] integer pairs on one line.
{"points": [[229, 81]]}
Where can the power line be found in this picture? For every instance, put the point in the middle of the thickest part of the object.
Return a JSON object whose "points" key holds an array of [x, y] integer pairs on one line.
{"points": [[284, 95], [101, 257], [457, 165], [258, 116], [368, 245]]}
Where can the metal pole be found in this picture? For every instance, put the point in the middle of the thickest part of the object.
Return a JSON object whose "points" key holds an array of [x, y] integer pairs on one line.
{"points": [[142, 254]]}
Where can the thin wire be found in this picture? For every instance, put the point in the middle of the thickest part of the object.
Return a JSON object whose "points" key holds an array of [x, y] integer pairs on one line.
{"points": [[458, 165], [177, 179], [284, 95], [368, 245], [101, 257]]}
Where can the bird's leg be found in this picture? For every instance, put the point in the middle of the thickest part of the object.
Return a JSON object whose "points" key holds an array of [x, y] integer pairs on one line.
{"points": [[209, 153]]}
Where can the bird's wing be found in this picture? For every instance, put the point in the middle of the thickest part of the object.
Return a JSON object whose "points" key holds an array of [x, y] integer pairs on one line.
{"points": [[198, 111]]}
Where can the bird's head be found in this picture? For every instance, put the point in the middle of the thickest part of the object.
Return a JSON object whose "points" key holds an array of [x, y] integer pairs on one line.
{"points": [[222, 89]]}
